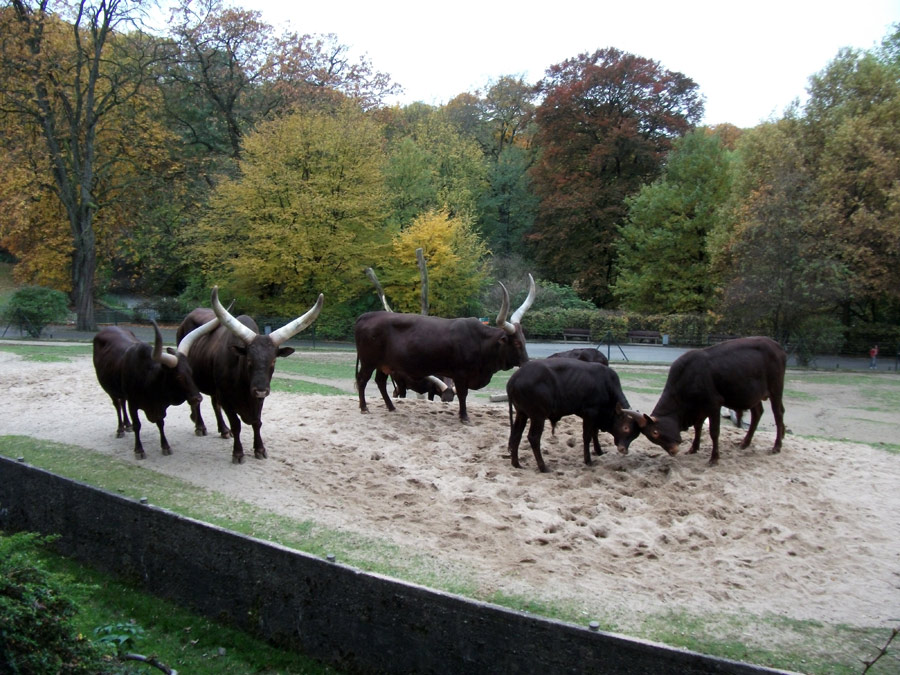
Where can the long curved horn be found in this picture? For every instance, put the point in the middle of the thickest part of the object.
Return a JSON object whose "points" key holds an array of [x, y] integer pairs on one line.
{"points": [[185, 345], [159, 355], [519, 313], [504, 311], [289, 330], [227, 320], [438, 382]]}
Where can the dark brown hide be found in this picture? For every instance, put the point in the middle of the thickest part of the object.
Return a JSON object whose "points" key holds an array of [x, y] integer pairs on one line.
{"points": [[589, 354], [739, 374], [552, 389]]}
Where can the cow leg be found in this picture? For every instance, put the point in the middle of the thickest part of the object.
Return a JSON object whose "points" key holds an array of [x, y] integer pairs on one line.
{"points": [[259, 449], [136, 426], [224, 431], [778, 412], [755, 414], [588, 436], [698, 430], [714, 434], [197, 419], [362, 379], [534, 438], [121, 410], [597, 449], [381, 380], [515, 437], [163, 441], [237, 452], [462, 390]]}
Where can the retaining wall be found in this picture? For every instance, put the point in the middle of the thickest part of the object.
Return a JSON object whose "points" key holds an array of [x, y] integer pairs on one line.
{"points": [[356, 621]]}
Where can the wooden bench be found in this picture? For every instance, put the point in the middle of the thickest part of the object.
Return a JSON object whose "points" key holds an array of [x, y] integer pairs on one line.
{"points": [[653, 337], [577, 334], [716, 338]]}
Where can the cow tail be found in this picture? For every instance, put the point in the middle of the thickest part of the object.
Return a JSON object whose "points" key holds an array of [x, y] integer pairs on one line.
{"points": [[509, 402], [356, 374]]}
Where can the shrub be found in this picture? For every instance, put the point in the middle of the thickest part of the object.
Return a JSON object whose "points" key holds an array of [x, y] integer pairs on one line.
{"points": [[37, 634], [32, 308]]}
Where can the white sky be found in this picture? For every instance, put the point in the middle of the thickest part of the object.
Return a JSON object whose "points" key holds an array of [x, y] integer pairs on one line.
{"points": [[750, 60]]}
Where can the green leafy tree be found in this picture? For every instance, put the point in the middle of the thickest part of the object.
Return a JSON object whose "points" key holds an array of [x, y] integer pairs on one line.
{"points": [[455, 257], [32, 308], [662, 254], [304, 216], [605, 125]]}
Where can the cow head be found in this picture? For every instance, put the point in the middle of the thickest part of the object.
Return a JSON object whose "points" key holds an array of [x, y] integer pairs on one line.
{"points": [[515, 353], [663, 431], [260, 351], [176, 365], [625, 428]]}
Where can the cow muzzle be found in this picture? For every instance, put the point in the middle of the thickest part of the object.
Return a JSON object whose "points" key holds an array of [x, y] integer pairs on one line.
{"points": [[260, 393], [623, 450]]}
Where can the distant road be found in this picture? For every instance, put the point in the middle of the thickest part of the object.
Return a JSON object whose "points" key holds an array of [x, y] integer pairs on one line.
{"points": [[617, 354]]}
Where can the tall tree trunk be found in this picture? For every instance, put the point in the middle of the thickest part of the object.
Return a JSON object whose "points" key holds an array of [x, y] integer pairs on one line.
{"points": [[84, 269]]}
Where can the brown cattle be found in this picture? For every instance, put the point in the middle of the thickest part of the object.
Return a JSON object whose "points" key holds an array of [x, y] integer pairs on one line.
{"points": [[413, 347], [144, 377], [738, 374], [234, 366]]}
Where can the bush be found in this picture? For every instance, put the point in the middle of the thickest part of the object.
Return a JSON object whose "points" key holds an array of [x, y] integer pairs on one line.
{"points": [[37, 634], [818, 335], [32, 308]]}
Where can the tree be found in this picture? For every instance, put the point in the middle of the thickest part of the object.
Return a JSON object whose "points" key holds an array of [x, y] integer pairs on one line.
{"points": [[455, 256], [605, 125], [663, 263], [304, 216], [69, 80], [777, 260]]}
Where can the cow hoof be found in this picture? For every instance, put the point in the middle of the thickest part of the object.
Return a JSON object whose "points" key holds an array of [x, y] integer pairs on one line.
{"points": [[776, 451], [200, 432], [237, 459], [226, 434], [140, 455], [713, 461], [167, 451], [120, 434], [260, 454]]}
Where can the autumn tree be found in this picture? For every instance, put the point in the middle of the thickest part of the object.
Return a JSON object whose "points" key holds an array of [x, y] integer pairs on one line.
{"points": [[851, 134], [605, 124], [456, 260], [304, 216], [663, 262], [70, 70]]}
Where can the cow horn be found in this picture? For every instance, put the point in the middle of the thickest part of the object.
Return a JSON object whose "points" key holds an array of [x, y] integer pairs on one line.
{"points": [[159, 355], [287, 331], [504, 311], [227, 320], [185, 345], [438, 382], [529, 300], [639, 417]]}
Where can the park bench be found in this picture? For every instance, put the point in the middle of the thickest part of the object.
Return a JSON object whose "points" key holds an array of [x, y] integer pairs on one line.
{"points": [[577, 334], [653, 337]]}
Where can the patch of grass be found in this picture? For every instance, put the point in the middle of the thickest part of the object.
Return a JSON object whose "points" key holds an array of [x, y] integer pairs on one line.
{"points": [[178, 638], [295, 386], [48, 354], [338, 369]]}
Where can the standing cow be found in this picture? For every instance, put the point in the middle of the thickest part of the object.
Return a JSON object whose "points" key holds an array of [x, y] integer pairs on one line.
{"points": [[414, 347], [234, 366], [739, 374], [552, 389], [144, 377]]}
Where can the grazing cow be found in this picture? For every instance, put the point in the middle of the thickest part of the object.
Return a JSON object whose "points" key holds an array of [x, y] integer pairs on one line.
{"points": [[589, 354], [552, 389], [440, 387], [145, 377], [414, 347], [739, 374], [234, 366]]}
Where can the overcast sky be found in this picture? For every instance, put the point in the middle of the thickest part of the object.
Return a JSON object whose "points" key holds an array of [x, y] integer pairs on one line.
{"points": [[750, 60]]}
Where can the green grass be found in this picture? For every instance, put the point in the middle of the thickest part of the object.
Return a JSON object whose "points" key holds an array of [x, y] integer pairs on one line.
{"points": [[293, 386], [43, 353], [178, 638]]}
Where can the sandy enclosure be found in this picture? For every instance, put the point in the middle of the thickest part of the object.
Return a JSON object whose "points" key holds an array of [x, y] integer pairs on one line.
{"points": [[811, 533]]}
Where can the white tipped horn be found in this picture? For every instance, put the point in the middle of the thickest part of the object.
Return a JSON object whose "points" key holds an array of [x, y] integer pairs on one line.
{"points": [[438, 382], [504, 311], [185, 345], [529, 300], [232, 324], [159, 355], [289, 330]]}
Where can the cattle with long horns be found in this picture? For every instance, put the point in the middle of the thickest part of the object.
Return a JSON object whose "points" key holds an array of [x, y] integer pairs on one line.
{"points": [[234, 365], [414, 347]]}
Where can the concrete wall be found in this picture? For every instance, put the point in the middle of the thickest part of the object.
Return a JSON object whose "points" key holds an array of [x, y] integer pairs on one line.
{"points": [[356, 621]]}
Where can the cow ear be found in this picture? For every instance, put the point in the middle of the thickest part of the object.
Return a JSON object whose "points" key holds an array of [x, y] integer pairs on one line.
{"points": [[285, 351], [645, 420], [171, 350]]}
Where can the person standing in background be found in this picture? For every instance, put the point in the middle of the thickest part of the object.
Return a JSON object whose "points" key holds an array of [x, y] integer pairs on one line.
{"points": [[873, 356]]}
